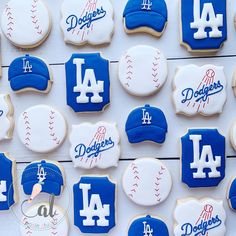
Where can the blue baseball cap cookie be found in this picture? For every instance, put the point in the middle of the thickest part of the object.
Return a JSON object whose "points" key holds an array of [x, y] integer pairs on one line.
{"points": [[232, 194], [146, 124], [29, 73], [43, 176], [148, 225], [148, 16]]}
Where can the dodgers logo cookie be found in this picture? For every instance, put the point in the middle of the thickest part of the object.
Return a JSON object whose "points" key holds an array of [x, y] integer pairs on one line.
{"points": [[142, 79], [95, 145], [41, 128], [94, 204], [146, 124], [145, 16], [148, 226], [87, 82], [43, 176], [199, 90], [26, 23], [204, 24], [199, 217], [6, 117], [203, 158], [147, 182], [29, 73], [87, 21], [8, 195]]}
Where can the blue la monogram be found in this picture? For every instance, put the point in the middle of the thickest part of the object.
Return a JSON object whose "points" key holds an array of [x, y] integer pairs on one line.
{"points": [[94, 149], [85, 21], [203, 93]]}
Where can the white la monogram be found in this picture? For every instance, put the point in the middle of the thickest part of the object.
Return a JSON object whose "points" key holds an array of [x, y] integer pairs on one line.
{"points": [[204, 160], [41, 174], [93, 208], [88, 84], [3, 189], [147, 230], [146, 120], [146, 5], [27, 67], [206, 19]]}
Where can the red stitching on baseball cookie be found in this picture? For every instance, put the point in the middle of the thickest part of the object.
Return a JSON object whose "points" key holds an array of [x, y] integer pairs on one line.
{"points": [[157, 184], [136, 178], [129, 69], [155, 67], [34, 17], [10, 19], [27, 129], [51, 128]]}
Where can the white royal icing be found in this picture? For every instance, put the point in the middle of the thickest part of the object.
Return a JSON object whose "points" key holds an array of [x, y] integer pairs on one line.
{"points": [[147, 182], [55, 224], [199, 217], [142, 70], [233, 135], [199, 90], [6, 117], [95, 145], [41, 128], [87, 21], [26, 23]]}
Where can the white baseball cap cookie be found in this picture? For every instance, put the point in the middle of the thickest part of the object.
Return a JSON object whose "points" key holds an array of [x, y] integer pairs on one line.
{"points": [[41, 128], [143, 70], [26, 23], [38, 225], [147, 182]]}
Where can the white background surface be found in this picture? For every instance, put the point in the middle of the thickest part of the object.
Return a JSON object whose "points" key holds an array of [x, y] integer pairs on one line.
{"points": [[56, 52]]}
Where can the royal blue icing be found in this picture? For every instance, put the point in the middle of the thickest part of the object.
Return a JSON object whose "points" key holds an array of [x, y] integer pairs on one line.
{"points": [[100, 191], [47, 174], [79, 71], [28, 72], [146, 13], [187, 17], [148, 226], [232, 194], [7, 190], [207, 142], [146, 124]]}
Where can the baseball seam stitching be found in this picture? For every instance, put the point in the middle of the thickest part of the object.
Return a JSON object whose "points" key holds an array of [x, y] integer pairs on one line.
{"points": [[157, 184], [27, 129], [136, 179], [51, 128], [155, 67], [26, 225], [10, 19], [54, 223], [129, 69], [34, 17]]}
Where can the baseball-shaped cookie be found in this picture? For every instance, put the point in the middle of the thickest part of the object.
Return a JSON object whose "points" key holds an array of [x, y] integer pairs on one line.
{"points": [[147, 182], [142, 70], [41, 128], [26, 23]]}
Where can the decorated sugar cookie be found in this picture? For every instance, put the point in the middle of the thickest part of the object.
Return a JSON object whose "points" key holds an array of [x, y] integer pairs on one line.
{"points": [[199, 217], [95, 145], [148, 16], [203, 158], [139, 78], [29, 73], [148, 225], [35, 223], [43, 176], [199, 90], [94, 204], [87, 82], [231, 195], [26, 23], [8, 195], [6, 117], [87, 21], [147, 182], [203, 24], [234, 82], [232, 135], [146, 124], [41, 128]]}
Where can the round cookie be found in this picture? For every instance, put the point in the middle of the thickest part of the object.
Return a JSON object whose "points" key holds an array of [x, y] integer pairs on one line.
{"points": [[26, 23], [232, 135], [139, 78], [147, 182], [87, 21], [231, 194], [41, 128], [38, 225]]}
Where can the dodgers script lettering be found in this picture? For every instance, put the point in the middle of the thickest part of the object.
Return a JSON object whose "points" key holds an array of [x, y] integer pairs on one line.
{"points": [[85, 21]]}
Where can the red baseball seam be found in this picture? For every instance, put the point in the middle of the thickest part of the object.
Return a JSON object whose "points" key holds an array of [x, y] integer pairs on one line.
{"points": [[155, 67], [51, 128], [136, 179], [10, 19], [27, 227], [27, 128], [34, 17], [157, 184], [129, 69]]}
